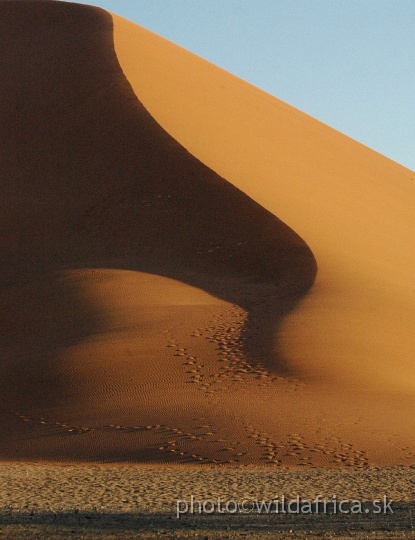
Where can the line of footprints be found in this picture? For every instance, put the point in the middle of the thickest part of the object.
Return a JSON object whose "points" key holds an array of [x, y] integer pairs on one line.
{"points": [[229, 348], [173, 445], [297, 452]]}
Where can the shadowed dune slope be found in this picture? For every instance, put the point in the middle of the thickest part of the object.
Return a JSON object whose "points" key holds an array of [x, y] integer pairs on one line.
{"points": [[88, 175], [91, 182]]}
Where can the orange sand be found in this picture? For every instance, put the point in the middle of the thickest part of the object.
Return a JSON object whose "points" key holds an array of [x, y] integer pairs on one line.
{"points": [[156, 301]]}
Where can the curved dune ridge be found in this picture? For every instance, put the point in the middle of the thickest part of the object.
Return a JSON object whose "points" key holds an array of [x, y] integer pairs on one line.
{"points": [[150, 291]]}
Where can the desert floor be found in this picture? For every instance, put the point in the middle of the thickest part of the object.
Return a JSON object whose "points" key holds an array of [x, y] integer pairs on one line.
{"points": [[97, 501]]}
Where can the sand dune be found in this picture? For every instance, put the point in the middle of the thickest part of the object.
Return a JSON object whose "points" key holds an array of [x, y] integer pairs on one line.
{"points": [[353, 206], [161, 227]]}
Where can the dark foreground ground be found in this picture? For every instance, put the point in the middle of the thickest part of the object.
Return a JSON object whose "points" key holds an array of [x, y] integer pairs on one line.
{"points": [[129, 501]]}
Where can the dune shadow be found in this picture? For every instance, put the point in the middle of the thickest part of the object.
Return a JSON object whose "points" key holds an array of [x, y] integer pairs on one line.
{"points": [[90, 180], [103, 523]]}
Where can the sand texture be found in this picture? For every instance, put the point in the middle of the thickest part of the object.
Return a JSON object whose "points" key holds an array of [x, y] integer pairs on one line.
{"points": [[192, 271]]}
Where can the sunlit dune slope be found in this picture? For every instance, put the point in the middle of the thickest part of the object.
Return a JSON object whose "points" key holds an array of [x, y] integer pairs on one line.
{"points": [[353, 206]]}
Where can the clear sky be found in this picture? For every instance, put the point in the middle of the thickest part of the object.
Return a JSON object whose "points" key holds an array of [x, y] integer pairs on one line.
{"points": [[349, 63]]}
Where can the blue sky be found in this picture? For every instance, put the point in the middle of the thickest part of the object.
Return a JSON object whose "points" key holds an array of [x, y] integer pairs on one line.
{"points": [[349, 63]]}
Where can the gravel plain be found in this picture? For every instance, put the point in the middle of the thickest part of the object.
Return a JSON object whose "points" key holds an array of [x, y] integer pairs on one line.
{"points": [[132, 501]]}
